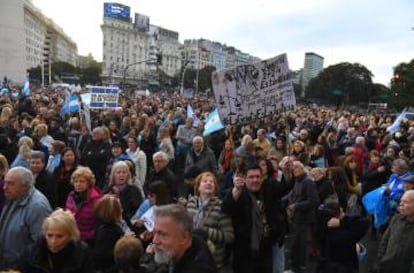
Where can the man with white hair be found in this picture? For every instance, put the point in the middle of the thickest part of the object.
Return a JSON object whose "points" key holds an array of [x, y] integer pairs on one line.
{"points": [[302, 202], [396, 250], [201, 156], [161, 172], [21, 218]]}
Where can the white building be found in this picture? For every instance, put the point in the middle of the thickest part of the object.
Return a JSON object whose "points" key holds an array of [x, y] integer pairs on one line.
{"points": [[30, 39], [130, 48], [313, 65]]}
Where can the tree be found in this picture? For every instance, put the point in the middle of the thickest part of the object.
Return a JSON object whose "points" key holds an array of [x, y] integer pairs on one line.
{"points": [[341, 83], [91, 74], [402, 85]]}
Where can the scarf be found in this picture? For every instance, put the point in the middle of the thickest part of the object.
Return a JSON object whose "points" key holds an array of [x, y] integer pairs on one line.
{"points": [[80, 197], [257, 225], [198, 218], [228, 154]]}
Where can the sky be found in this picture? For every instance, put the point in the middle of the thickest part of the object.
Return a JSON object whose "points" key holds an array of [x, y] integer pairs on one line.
{"points": [[375, 33]]}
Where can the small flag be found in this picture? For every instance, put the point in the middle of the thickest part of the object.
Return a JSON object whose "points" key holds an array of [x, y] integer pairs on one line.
{"points": [[26, 87], [191, 114], [213, 123], [396, 125]]}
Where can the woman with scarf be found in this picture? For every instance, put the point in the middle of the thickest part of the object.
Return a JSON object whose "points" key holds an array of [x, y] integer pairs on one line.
{"points": [[205, 209], [121, 185], [81, 202]]}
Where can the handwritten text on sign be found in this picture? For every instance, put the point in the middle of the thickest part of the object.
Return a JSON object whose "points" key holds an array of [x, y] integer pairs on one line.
{"points": [[253, 91], [104, 97]]}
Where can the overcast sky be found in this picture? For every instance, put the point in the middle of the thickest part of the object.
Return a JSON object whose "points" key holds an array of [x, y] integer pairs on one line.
{"points": [[375, 33]]}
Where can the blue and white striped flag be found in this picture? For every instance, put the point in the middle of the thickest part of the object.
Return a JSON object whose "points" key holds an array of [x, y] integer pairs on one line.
{"points": [[191, 114], [74, 103], [213, 123], [26, 87], [397, 122]]}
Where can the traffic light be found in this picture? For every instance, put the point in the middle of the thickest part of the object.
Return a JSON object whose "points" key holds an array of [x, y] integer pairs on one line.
{"points": [[159, 58]]}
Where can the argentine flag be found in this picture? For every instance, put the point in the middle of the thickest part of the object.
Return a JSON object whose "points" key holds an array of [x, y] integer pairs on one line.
{"points": [[74, 103], [213, 123], [26, 87], [191, 114], [396, 125]]}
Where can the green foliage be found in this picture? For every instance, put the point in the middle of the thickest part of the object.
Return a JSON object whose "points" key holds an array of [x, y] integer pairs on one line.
{"points": [[402, 86], [342, 83]]}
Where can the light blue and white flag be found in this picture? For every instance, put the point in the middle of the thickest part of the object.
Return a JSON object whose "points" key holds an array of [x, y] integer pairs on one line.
{"points": [[397, 122], [74, 103], [26, 87], [213, 123], [191, 114]]}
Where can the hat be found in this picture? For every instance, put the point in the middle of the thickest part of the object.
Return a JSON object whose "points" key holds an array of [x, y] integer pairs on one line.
{"points": [[409, 179]]}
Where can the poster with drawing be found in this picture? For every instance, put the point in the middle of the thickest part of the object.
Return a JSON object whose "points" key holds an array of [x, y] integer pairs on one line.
{"points": [[253, 91]]}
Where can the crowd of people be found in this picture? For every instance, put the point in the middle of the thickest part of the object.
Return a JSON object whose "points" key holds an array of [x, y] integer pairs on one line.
{"points": [[145, 191]]}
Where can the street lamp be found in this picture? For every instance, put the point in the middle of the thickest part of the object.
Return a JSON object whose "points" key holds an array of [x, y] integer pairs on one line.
{"points": [[182, 77]]}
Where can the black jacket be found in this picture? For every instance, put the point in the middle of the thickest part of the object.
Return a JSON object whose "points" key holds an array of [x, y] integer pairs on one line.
{"points": [[165, 175], [74, 258], [64, 186], [305, 197], [106, 236], [45, 182], [396, 250], [197, 258], [130, 198], [96, 155], [338, 244]]}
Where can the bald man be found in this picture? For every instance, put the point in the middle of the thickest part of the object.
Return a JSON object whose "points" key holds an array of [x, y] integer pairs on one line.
{"points": [[396, 250]]}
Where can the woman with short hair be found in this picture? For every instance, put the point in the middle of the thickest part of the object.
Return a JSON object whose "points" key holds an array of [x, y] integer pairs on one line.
{"points": [[205, 209], [81, 202], [60, 249]]}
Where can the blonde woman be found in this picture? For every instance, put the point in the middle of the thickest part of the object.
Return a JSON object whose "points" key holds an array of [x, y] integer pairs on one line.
{"points": [[81, 202], [23, 157], [205, 209], [60, 249], [121, 185], [41, 131]]}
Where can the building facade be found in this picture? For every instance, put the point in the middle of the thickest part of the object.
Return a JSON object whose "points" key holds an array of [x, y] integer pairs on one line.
{"points": [[30, 39], [313, 66]]}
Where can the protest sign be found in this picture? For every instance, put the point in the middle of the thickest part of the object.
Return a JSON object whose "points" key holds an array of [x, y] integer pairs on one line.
{"points": [[104, 97], [253, 91]]}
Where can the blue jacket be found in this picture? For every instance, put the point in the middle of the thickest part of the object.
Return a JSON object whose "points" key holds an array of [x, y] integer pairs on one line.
{"points": [[23, 228]]}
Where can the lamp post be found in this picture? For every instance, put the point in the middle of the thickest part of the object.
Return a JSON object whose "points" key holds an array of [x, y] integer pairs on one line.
{"points": [[182, 77]]}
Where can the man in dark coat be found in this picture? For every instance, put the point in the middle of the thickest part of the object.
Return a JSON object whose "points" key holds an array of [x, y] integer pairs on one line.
{"points": [[259, 220], [96, 155], [396, 250], [45, 182], [302, 202], [161, 172]]}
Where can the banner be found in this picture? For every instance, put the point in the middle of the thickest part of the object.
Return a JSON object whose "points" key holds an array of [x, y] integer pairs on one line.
{"points": [[253, 91], [104, 97], [188, 93]]}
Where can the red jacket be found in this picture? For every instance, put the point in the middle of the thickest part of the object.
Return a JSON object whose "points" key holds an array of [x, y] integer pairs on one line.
{"points": [[84, 214]]}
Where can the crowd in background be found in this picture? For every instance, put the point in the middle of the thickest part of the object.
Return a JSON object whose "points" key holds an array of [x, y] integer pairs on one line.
{"points": [[262, 196]]}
